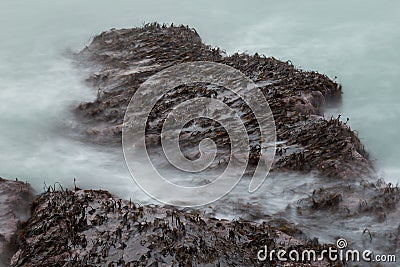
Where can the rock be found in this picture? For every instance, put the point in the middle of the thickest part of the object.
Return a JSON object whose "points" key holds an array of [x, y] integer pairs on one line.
{"points": [[92, 228], [374, 199], [121, 60], [15, 201]]}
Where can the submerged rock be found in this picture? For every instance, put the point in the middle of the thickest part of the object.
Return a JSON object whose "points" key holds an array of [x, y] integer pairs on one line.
{"points": [[375, 199], [121, 60], [15, 201]]}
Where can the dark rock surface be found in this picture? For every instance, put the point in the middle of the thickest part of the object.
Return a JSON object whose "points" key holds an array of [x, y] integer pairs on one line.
{"points": [[91, 228], [121, 60], [15, 200], [375, 199]]}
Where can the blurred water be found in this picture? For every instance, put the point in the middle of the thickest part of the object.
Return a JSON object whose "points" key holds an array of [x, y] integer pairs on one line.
{"points": [[356, 41]]}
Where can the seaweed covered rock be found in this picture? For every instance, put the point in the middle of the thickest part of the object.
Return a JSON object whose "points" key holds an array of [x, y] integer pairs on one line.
{"points": [[121, 60], [15, 201], [375, 199], [92, 228]]}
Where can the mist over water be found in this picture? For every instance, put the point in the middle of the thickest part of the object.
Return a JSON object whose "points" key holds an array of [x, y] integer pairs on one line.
{"points": [[356, 41]]}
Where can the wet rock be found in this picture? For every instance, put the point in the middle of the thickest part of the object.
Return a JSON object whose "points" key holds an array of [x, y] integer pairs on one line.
{"points": [[121, 60], [15, 201], [366, 198], [92, 228]]}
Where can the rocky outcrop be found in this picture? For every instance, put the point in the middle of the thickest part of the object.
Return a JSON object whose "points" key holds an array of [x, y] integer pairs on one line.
{"points": [[15, 201], [92, 228], [121, 60]]}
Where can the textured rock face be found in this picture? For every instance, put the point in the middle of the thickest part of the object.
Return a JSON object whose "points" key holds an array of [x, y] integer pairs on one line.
{"points": [[122, 60], [91, 228], [15, 201]]}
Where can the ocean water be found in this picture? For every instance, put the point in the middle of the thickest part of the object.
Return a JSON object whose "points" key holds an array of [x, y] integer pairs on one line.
{"points": [[356, 41]]}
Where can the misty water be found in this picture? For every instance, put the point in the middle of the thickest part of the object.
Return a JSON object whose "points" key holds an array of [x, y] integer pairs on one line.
{"points": [[357, 41]]}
